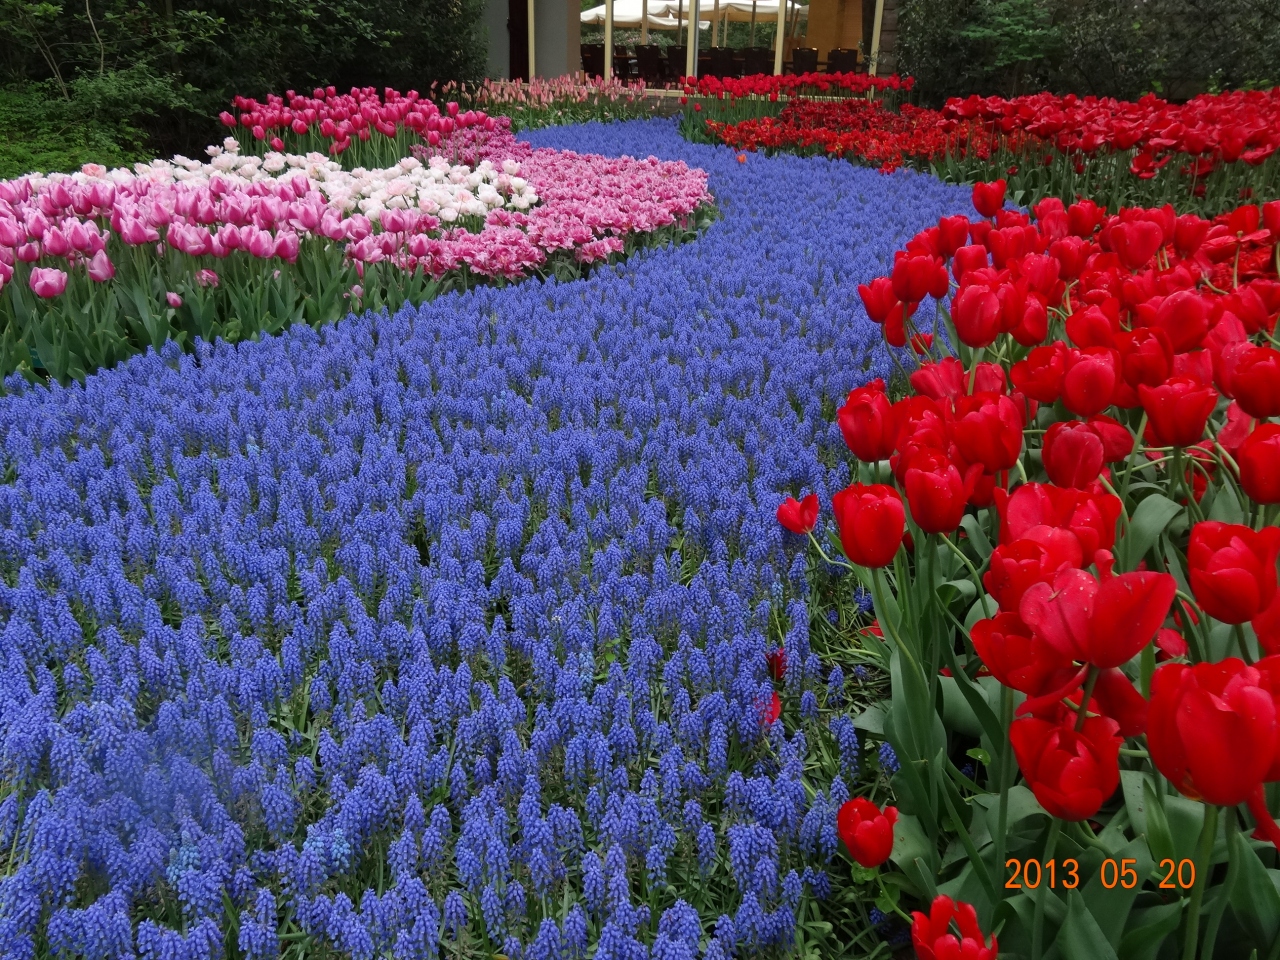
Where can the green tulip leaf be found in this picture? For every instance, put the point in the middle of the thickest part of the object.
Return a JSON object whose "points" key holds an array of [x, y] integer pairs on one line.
{"points": [[977, 536], [1255, 900], [1110, 909], [1154, 513], [872, 719], [1150, 930], [1080, 937]]}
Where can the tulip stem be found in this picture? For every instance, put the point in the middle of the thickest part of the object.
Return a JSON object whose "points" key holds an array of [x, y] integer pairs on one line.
{"points": [[1245, 655], [1204, 857], [1233, 872], [1090, 682], [1006, 754], [1037, 926]]}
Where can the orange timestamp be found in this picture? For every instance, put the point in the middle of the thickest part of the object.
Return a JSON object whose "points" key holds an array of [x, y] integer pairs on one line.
{"points": [[1030, 874]]}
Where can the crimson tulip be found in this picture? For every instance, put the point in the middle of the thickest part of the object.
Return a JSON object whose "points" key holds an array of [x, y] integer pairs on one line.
{"points": [[1184, 317], [988, 198], [866, 422], [1016, 657], [866, 830], [1212, 729], [1036, 558], [1145, 357], [937, 491], [968, 258], [1232, 569], [1072, 454], [879, 300], [1089, 379], [1136, 242], [1040, 375], [987, 429], [770, 710], [1259, 461], [1090, 516], [933, 940], [1105, 622], [1117, 441], [1115, 696], [871, 520], [1071, 772], [953, 233], [1255, 381], [1178, 410], [975, 311], [799, 516], [915, 278], [947, 379]]}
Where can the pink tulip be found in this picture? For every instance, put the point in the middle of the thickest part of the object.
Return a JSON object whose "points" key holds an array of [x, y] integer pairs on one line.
{"points": [[56, 243], [47, 282], [29, 252], [207, 278], [173, 300], [11, 233], [260, 244], [101, 269]]}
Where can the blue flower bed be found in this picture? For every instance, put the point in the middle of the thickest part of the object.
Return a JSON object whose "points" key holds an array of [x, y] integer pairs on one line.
{"points": [[450, 624]]}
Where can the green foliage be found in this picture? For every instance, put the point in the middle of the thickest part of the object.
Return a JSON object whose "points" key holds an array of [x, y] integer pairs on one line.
{"points": [[1120, 48], [40, 131], [128, 72]]}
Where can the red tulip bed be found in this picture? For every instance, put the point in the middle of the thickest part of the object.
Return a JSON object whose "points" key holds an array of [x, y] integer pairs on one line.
{"points": [[1067, 523], [1207, 155]]}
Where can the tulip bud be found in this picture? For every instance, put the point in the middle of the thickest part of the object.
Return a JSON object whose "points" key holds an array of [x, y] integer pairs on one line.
{"points": [[1072, 454], [1072, 773], [866, 830], [866, 422], [988, 198], [1177, 410], [871, 521], [1232, 569]]}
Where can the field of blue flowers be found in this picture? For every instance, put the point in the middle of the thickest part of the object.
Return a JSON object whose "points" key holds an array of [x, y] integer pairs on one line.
{"points": [[445, 633]]}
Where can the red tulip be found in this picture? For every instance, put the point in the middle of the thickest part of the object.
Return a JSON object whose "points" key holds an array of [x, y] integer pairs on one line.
{"points": [[1259, 460], [975, 311], [915, 278], [1072, 454], [1089, 380], [937, 491], [1232, 569], [988, 198], [1040, 375], [1115, 696], [1072, 773], [867, 832], [1090, 516], [777, 660], [1136, 242], [1104, 623], [1184, 317], [799, 516], [871, 521], [921, 342], [987, 429], [953, 233], [1117, 441], [866, 422], [1017, 658], [1212, 729], [1178, 410], [1036, 558], [879, 300], [947, 379], [1255, 381], [969, 258], [933, 940]]}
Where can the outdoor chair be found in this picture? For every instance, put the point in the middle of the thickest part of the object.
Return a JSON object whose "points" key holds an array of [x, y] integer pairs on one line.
{"points": [[593, 59], [722, 64], [757, 60], [842, 60], [676, 54], [804, 60], [649, 59]]}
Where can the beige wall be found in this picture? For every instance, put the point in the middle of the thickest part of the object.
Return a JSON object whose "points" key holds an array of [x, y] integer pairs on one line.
{"points": [[834, 23]]}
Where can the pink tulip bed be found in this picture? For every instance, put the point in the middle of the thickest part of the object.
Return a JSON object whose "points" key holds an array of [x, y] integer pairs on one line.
{"points": [[101, 264]]}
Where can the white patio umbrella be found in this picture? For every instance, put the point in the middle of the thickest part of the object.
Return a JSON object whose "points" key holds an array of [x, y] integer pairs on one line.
{"points": [[627, 13], [740, 11]]}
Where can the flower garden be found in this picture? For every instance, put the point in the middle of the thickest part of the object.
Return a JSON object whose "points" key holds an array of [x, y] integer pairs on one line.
{"points": [[650, 538]]}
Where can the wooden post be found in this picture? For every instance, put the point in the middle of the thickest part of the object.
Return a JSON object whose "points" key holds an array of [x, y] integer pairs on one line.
{"points": [[644, 21], [753, 23], [715, 21], [780, 39], [532, 42], [875, 39], [608, 40]]}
